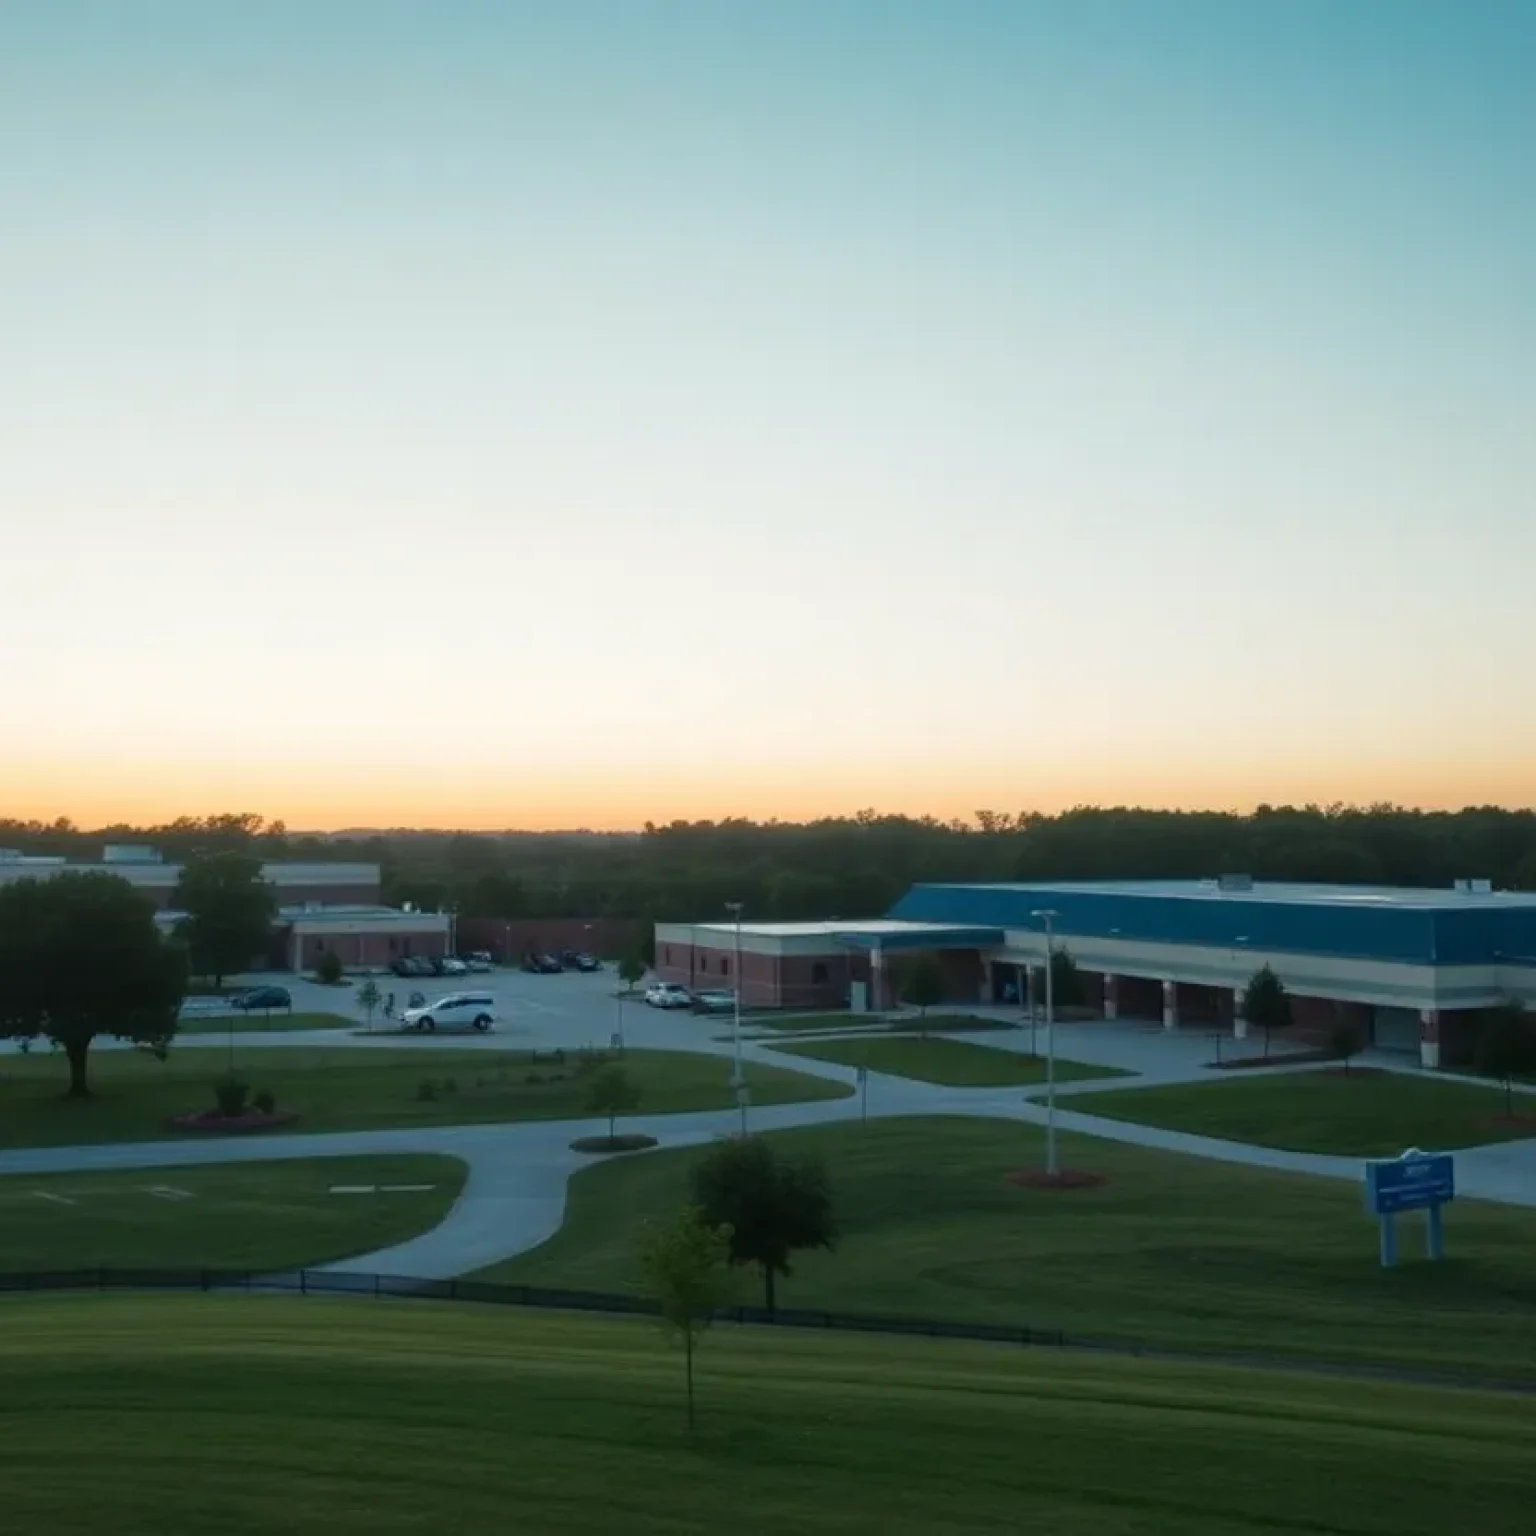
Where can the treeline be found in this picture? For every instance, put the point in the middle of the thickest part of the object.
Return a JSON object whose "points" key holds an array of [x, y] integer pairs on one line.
{"points": [[859, 865]]}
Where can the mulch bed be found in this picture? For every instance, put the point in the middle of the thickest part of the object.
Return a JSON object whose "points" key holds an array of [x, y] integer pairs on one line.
{"points": [[1063, 1178], [612, 1143], [212, 1120]]}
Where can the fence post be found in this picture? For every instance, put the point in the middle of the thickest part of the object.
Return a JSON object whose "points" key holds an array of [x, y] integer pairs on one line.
{"points": [[101, 1279], [303, 1282], [378, 1285], [203, 1276]]}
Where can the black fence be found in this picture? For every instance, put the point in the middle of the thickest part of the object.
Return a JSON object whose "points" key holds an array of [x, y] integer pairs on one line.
{"points": [[328, 1282]]}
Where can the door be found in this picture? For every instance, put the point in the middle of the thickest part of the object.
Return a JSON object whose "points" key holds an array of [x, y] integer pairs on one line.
{"points": [[1395, 1029]]}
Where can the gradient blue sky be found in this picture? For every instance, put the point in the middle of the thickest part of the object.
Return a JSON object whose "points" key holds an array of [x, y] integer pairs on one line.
{"points": [[578, 412]]}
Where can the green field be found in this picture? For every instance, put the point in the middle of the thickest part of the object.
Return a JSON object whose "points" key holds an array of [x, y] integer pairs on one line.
{"points": [[953, 1063], [1181, 1252], [1358, 1114], [263, 1414], [262, 1023], [358, 1088], [267, 1216]]}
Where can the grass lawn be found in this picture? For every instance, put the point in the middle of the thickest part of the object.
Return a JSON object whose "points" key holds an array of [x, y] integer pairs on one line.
{"points": [[1364, 1114], [955, 1063], [264, 1414], [261, 1023], [358, 1088], [938, 1023], [1175, 1251], [267, 1216]]}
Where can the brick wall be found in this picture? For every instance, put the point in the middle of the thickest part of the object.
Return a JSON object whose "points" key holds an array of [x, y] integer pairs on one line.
{"points": [[373, 951], [509, 939]]}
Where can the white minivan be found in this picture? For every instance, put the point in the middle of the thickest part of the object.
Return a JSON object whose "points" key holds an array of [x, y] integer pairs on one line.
{"points": [[474, 1009]]}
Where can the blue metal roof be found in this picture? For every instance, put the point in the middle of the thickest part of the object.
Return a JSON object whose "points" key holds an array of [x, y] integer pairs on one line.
{"points": [[1358, 922]]}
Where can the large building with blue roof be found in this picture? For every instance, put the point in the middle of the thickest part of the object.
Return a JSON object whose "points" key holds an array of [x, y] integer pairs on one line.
{"points": [[1412, 968]]}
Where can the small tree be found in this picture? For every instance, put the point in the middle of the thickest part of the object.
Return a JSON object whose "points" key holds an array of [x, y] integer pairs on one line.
{"points": [[368, 998], [612, 1094], [774, 1206], [631, 969], [1344, 1038], [1506, 1047], [1066, 980], [229, 906], [923, 986], [328, 968], [686, 1271], [1267, 1003]]}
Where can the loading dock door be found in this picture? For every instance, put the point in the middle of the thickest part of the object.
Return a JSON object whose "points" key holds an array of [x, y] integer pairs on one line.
{"points": [[1395, 1029]]}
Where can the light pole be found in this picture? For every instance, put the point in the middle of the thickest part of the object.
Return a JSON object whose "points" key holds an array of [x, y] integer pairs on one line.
{"points": [[1047, 917], [738, 1076]]}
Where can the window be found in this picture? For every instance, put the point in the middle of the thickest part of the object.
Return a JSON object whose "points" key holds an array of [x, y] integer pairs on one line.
{"points": [[818, 972], [666, 955], [725, 966]]}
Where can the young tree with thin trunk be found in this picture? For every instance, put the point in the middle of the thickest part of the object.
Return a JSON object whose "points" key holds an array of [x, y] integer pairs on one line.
{"points": [[923, 987], [1344, 1039], [612, 1094], [368, 999], [775, 1206], [82, 956], [631, 969], [686, 1264], [1267, 1003], [1506, 1047]]}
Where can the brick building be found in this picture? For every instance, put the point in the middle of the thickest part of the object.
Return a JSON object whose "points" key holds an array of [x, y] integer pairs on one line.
{"points": [[1413, 969]]}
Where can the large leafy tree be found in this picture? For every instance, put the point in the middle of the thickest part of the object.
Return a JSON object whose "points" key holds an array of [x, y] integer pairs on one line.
{"points": [[1266, 1003], [229, 907], [81, 956], [774, 1206]]}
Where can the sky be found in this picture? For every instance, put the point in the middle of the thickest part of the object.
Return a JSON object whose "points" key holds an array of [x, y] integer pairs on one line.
{"points": [[518, 414]]}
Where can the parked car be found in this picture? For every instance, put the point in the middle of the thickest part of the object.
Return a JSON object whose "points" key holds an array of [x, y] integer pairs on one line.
{"points": [[714, 1002], [412, 965], [479, 960], [542, 965], [453, 966], [667, 994], [262, 999], [586, 962], [474, 1010], [568, 959]]}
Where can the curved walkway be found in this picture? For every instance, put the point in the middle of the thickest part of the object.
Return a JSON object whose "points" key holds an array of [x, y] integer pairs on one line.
{"points": [[514, 1194]]}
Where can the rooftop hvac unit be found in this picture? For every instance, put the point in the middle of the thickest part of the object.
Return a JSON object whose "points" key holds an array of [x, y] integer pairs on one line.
{"points": [[1234, 882], [1475, 887]]}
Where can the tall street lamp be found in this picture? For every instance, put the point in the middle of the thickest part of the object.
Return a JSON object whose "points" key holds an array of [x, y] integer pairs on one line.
{"points": [[1047, 917], [738, 1077]]}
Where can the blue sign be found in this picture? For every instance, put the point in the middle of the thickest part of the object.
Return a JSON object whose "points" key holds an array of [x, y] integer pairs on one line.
{"points": [[1413, 1182], [1416, 1181]]}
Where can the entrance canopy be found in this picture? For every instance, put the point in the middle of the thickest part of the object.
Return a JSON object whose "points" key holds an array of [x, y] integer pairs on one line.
{"points": [[891, 934]]}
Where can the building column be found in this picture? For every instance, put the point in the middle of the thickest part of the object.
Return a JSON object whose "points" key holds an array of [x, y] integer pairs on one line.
{"points": [[1429, 1038], [1170, 1005], [877, 979], [1111, 996], [1239, 1021]]}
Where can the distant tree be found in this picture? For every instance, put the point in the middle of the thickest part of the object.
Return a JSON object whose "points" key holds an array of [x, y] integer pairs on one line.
{"points": [[368, 998], [612, 1094], [1506, 1047], [328, 968], [774, 1206], [82, 956], [686, 1264], [923, 986], [229, 907], [1345, 1038], [1066, 980], [631, 969], [1266, 1003]]}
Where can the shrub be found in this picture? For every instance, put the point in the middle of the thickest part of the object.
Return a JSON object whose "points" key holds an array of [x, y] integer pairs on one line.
{"points": [[264, 1102], [450, 1085], [426, 1090], [328, 968], [534, 1077], [230, 1095]]}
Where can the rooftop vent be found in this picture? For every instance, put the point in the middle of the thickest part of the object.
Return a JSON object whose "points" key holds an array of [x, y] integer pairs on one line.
{"points": [[1475, 887]]}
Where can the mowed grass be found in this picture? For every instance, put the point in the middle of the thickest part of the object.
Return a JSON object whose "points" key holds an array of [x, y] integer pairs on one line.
{"points": [[954, 1063], [1354, 1114], [1173, 1251], [267, 1216], [261, 1414], [359, 1088], [260, 1023]]}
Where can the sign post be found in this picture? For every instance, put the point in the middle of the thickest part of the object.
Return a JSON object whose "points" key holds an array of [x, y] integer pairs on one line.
{"points": [[1416, 1181], [864, 1095]]}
